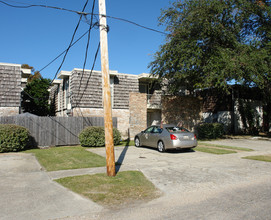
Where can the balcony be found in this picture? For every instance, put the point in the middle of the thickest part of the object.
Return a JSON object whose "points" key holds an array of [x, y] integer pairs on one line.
{"points": [[154, 100]]}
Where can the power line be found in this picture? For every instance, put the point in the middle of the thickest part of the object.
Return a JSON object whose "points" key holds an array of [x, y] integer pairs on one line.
{"points": [[76, 28], [90, 27], [94, 25], [85, 13], [43, 6], [134, 23]]}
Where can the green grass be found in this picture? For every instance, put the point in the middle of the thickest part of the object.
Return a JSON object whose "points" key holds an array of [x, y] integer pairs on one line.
{"points": [[265, 158], [213, 150], [226, 147], [64, 158], [125, 188], [126, 143]]}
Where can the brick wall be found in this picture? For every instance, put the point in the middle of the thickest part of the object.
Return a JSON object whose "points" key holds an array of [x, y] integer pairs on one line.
{"points": [[187, 110], [138, 113]]}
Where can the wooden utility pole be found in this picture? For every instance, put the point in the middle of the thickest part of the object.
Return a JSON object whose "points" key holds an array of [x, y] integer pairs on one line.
{"points": [[108, 124]]}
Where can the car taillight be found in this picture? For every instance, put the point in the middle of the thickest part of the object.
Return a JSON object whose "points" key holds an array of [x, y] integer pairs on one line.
{"points": [[195, 136], [173, 137]]}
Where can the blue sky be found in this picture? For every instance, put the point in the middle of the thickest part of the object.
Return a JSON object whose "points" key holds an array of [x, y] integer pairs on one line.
{"points": [[37, 35]]}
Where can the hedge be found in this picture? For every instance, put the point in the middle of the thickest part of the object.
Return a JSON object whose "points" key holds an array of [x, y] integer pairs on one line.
{"points": [[13, 138], [210, 130], [94, 137]]}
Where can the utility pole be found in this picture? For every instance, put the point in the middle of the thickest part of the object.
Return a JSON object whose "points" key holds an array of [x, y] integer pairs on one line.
{"points": [[108, 124]]}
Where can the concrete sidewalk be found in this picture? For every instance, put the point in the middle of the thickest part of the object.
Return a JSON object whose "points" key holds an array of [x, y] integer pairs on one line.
{"points": [[27, 192]]}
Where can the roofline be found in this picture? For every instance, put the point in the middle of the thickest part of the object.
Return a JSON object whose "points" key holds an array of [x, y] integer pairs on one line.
{"points": [[10, 64]]}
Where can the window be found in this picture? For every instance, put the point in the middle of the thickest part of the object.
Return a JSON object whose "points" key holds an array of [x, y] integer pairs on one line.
{"points": [[148, 130], [144, 88]]}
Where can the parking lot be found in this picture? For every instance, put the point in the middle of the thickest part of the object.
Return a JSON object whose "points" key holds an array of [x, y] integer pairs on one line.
{"points": [[198, 185], [175, 171], [194, 185]]}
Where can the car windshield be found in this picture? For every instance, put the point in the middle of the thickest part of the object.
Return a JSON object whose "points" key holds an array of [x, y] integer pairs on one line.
{"points": [[176, 129]]}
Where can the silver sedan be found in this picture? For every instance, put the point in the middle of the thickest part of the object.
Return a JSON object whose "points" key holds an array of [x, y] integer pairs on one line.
{"points": [[167, 137]]}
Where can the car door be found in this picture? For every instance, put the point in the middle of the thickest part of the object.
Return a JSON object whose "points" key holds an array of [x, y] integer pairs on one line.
{"points": [[146, 135], [154, 136]]}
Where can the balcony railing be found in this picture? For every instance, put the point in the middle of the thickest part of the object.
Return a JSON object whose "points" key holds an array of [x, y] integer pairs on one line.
{"points": [[154, 101]]}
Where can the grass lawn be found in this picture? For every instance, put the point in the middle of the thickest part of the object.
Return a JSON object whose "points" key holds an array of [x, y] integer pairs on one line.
{"points": [[126, 143], [225, 147], [123, 189], [64, 158], [266, 158], [213, 150]]}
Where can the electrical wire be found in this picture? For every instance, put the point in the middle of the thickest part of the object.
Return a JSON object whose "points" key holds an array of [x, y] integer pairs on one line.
{"points": [[85, 13], [63, 52], [86, 54], [90, 27], [76, 28], [43, 6], [85, 60], [134, 23]]}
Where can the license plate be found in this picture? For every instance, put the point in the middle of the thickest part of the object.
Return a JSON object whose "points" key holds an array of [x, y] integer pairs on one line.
{"points": [[186, 137]]}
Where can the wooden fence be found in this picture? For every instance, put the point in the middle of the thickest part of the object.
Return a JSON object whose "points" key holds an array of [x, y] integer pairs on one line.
{"points": [[53, 131]]}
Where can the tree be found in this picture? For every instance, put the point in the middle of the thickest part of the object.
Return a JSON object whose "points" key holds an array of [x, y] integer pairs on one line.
{"points": [[214, 43], [35, 97], [34, 75]]}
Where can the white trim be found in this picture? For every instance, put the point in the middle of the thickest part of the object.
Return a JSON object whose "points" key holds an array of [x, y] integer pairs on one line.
{"points": [[26, 71], [62, 74], [10, 64]]}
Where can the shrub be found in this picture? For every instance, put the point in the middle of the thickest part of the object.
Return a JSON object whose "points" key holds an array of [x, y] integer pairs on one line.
{"points": [[94, 137], [13, 138], [210, 131]]}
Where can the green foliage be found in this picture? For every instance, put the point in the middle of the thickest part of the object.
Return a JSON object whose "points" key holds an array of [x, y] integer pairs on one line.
{"points": [[13, 138], [94, 137], [210, 130], [249, 116], [35, 97], [214, 42]]}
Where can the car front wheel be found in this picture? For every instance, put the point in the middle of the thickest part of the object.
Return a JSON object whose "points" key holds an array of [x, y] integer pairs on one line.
{"points": [[137, 142], [161, 146]]}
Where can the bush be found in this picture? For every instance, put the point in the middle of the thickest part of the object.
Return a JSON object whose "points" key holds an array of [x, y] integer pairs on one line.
{"points": [[13, 138], [210, 131], [94, 137]]}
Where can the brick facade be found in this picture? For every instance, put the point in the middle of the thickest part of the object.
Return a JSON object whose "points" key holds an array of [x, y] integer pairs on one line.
{"points": [[185, 109], [138, 113]]}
